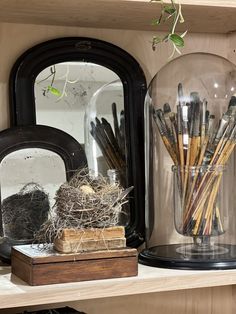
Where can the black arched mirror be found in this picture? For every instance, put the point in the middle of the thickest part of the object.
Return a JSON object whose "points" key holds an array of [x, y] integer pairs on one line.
{"points": [[93, 91]]}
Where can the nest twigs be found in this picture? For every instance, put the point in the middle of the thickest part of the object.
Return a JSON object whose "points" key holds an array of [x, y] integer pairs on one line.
{"points": [[84, 202], [200, 155]]}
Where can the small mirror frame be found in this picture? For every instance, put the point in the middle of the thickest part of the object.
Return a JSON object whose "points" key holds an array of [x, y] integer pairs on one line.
{"points": [[22, 103], [44, 137]]}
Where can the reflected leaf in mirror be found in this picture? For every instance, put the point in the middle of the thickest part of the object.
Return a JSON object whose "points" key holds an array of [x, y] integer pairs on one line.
{"points": [[63, 92], [54, 91]]}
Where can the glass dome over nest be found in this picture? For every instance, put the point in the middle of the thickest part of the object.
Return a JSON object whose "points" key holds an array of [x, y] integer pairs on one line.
{"points": [[190, 117]]}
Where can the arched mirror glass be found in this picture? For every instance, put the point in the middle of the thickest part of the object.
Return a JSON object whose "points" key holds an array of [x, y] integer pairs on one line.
{"points": [[28, 195], [93, 91], [64, 90]]}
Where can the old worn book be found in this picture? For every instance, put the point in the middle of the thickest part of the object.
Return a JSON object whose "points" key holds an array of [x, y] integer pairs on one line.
{"points": [[46, 266], [93, 234], [74, 246]]}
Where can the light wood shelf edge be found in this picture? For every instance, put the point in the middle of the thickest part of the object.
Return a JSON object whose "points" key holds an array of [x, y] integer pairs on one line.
{"points": [[209, 3], [15, 293], [212, 16]]}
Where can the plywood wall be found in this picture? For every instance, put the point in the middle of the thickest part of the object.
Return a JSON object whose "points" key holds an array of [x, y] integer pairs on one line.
{"points": [[16, 38]]}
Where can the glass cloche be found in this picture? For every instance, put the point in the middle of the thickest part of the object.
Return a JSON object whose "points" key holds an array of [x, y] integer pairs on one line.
{"points": [[105, 140], [104, 130], [190, 134]]}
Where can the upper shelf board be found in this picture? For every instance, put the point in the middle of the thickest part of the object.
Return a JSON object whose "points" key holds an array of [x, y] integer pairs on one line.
{"points": [[212, 16]]}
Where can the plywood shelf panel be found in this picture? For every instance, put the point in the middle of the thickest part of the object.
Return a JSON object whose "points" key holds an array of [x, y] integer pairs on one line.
{"points": [[16, 293], [213, 16]]}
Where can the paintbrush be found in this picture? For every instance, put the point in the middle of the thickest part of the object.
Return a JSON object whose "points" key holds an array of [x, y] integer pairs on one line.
{"points": [[180, 135], [122, 132], [203, 109], [101, 145], [112, 140], [106, 146], [222, 126], [158, 118], [181, 95], [170, 124], [115, 121], [195, 141], [232, 106], [210, 133]]}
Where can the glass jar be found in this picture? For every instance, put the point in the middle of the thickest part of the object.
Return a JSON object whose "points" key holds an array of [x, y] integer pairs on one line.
{"points": [[190, 136]]}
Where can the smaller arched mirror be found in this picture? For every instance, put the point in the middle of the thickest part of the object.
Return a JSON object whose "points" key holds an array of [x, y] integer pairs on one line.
{"points": [[93, 91], [27, 156]]}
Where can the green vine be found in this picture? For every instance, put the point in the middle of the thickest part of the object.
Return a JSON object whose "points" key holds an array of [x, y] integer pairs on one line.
{"points": [[170, 12]]}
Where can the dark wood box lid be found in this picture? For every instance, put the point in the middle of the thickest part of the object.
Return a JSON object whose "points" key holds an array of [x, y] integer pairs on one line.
{"points": [[34, 254]]}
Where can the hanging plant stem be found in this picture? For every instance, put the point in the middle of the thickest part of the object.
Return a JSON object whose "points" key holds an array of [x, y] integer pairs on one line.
{"points": [[170, 12]]}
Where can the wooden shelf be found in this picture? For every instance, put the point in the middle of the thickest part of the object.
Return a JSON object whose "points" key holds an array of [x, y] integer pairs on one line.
{"points": [[212, 16], [16, 293]]}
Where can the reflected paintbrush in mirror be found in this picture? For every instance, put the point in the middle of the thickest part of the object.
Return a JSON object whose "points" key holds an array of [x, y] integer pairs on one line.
{"points": [[111, 144]]}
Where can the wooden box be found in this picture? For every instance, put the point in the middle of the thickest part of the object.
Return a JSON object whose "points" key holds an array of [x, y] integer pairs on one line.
{"points": [[42, 267]]}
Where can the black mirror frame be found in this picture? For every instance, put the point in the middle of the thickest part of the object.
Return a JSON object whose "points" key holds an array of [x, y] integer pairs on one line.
{"points": [[22, 103], [45, 137]]}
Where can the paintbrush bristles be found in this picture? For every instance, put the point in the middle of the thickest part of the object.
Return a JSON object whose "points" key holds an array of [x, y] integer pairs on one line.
{"points": [[195, 143]]}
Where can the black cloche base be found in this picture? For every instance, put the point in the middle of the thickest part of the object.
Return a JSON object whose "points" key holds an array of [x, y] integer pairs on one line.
{"points": [[166, 256]]}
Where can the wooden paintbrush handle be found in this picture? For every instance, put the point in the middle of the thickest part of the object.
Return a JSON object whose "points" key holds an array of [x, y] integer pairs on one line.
{"points": [[170, 149], [181, 149], [195, 146]]}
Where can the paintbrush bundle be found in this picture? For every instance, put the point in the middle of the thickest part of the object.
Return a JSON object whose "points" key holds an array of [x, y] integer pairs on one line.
{"points": [[199, 145], [111, 144]]}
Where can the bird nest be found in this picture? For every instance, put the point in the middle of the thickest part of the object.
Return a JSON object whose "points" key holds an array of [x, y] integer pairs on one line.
{"points": [[82, 203]]}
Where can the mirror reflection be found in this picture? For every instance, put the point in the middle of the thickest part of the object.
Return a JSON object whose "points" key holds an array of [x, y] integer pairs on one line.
{"points": [[105, 131], [86, 100], [28, 191], [64, 90]]}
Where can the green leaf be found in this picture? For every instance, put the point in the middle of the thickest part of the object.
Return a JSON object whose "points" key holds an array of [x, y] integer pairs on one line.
{"points": [[177, 40], [54, 91], [169, 9]]}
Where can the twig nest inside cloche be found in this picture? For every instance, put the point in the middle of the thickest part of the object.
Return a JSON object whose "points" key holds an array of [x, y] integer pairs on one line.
{"points": [[82, 203]]}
